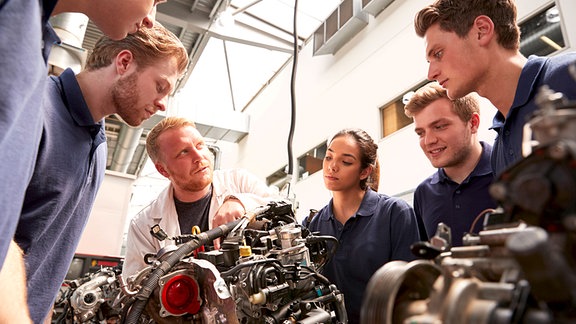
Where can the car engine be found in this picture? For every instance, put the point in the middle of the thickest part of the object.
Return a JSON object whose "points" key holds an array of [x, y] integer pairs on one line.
{"points": [[88, 299], [267, 270]]}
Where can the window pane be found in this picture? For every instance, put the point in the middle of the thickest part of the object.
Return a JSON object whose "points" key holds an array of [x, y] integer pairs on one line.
{"points": [[542, 34], [393, 117]]}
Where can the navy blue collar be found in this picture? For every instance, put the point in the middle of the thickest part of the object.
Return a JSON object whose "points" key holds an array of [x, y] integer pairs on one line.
{"points": [[482, 167], [367, 206], [526, 85], [75, 102]]}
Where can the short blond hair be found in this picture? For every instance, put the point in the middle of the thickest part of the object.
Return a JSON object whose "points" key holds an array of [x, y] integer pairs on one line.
{"points": [[464, 107], [164, 125]]}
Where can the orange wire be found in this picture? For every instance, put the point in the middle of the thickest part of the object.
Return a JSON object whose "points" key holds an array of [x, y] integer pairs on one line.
{"points": [[478, 217]]}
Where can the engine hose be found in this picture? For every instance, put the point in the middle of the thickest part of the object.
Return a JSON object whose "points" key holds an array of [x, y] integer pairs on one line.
{"points": [[62, 317], [281, 313], [94, 283], [274, 263], [262, 276], [126, 309], [324, 238], [316, 316], [185, 249], [288, 219], [319, 276], [336, 299], [339, 307]]}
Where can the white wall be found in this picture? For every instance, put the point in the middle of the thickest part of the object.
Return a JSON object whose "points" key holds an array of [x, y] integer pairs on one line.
{"points": [[105, 227], [345, 90]]}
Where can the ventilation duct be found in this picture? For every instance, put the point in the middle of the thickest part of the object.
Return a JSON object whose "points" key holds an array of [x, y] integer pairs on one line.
{"points": [[230, 126], [374, 7], [341, 26], [128, 141], [70, 27]]}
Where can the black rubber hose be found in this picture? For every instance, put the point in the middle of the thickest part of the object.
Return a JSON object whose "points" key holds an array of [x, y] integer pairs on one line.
{"points": [[323, 238], [185, 249]]}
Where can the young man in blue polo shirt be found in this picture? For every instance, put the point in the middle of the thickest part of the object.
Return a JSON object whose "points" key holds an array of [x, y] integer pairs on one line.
{"points": [[448, 130], [473, 46], [132, 78], [26, 38]]}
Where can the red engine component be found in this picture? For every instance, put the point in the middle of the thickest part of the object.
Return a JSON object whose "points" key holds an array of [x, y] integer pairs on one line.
{"points": [[181, 295]]}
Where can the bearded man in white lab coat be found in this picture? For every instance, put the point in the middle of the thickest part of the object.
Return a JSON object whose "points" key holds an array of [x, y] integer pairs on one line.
{"points": [[197, 195]]}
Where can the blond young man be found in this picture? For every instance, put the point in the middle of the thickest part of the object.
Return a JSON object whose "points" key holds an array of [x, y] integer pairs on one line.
{"points": [[448, 131]]}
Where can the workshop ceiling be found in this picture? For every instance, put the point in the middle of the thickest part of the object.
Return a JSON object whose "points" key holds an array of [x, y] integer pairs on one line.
{"points": [[265, 24]]}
